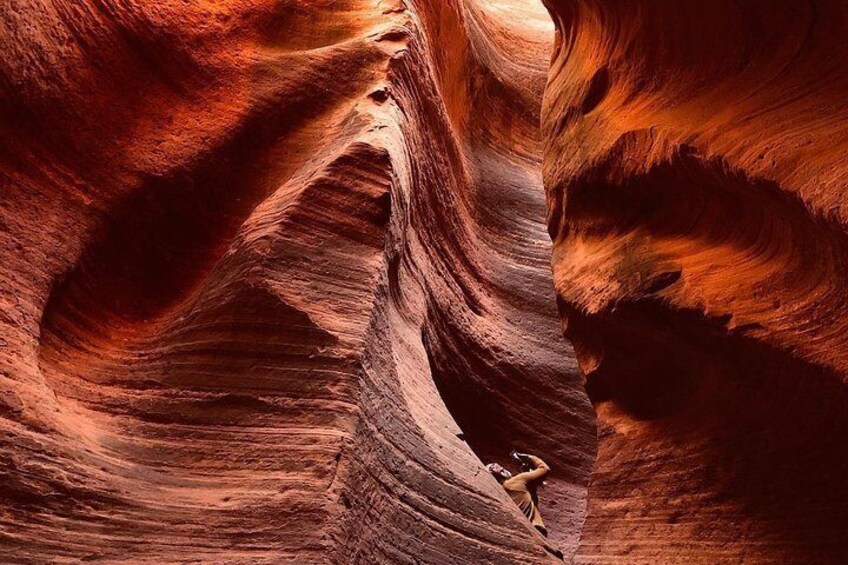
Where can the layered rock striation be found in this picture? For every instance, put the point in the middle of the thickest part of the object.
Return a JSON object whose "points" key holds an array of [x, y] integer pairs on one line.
{"points": [[694, 167], [275, 279]]}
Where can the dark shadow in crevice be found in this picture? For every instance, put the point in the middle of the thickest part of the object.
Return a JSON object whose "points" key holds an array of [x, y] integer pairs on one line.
{"points": [[599, 86], [754, 428], [501, 405], [716, 415]]}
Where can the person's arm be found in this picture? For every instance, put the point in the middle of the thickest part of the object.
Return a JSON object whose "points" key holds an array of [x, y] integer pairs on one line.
{"points": [[540, 469]]}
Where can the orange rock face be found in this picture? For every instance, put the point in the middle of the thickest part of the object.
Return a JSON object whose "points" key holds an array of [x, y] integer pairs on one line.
{"points": [[275, 279], [695, 169]]}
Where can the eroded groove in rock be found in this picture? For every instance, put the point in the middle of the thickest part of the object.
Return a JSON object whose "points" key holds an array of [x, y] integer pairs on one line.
{"points": [[250, 246], [694, 180]]}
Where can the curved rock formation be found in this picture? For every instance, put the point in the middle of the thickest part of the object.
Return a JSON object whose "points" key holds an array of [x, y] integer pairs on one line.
{"points": [[275, 280], [694, 167]]}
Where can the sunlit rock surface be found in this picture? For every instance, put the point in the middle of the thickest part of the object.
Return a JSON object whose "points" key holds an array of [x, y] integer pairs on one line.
{"points": [[276, 277], [695, 171], [276, 280]]}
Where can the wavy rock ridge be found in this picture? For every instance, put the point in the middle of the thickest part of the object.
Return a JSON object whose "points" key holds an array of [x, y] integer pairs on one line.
{"points": [[694, 167], [276, 278]]}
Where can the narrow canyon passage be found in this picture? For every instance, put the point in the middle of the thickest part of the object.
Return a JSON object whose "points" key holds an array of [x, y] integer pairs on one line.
{"points": [[280, 276], [277, 280]]}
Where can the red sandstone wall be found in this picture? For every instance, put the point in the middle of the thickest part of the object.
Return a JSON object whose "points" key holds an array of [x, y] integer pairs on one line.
{"points": [[262, 263], [275, 280], [695, 170]]}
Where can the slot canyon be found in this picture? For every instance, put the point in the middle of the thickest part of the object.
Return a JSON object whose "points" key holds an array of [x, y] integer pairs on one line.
{"points": [[279, 277]]}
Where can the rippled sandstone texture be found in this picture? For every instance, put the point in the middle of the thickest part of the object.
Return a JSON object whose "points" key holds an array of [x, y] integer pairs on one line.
{"points": [[695, 172], [275, 274]]}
